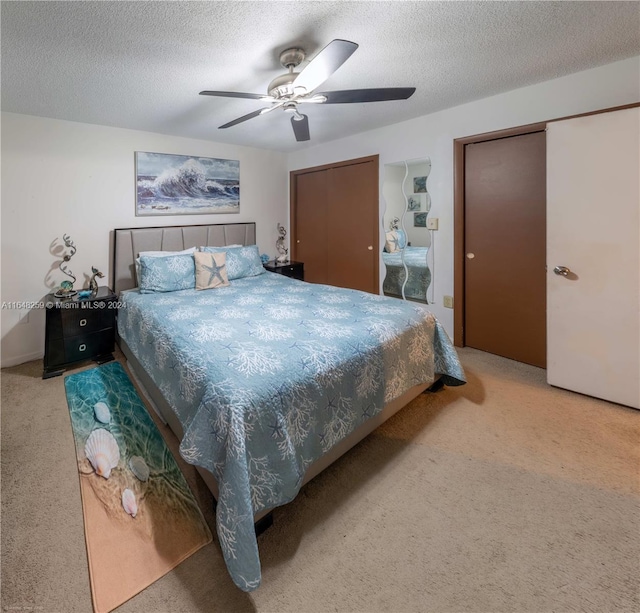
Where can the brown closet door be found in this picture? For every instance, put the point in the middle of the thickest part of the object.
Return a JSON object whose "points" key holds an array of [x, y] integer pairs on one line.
{"points": [[505, 244], [310, 225], [353, 226], [334, 220]]}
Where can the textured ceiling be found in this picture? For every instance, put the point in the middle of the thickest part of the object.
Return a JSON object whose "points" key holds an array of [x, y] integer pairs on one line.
{"points": [[140, 65]]}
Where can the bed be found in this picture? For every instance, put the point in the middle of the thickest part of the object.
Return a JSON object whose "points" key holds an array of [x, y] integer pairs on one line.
{"points": [[419, 276], [268, 380]]}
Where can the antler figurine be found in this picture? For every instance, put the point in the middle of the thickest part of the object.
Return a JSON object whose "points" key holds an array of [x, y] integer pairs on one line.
{"points": [[93, 284]]}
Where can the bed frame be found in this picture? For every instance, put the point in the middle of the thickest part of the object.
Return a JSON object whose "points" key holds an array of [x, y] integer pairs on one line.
{"points": [[128, 242]]}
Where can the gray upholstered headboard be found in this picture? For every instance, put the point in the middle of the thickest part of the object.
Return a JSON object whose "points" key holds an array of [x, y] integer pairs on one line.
{"points": [[129, 242]]}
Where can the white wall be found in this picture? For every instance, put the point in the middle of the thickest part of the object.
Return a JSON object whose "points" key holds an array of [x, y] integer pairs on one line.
{"points": [[432, 136], [65, 177]]}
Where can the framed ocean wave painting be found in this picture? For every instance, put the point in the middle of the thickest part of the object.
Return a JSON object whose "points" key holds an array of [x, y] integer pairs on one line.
{"points": [[169, 184]]}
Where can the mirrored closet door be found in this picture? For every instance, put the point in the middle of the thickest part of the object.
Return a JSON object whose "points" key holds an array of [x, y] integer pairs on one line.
{"points": [[407, 239]]}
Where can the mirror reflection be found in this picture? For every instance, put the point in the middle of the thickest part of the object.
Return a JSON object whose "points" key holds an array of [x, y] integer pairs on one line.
{"points": [[405, 222]]}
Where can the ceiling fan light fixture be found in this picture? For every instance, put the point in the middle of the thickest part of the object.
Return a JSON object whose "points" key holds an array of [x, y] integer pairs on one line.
{"points": [[282, 86], [292, 107]]}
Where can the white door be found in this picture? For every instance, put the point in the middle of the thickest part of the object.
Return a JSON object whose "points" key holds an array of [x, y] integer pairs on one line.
{"points": [[593, 205]]}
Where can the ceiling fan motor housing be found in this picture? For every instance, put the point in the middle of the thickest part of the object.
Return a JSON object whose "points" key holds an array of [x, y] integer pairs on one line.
{"points": [[281, 86]]}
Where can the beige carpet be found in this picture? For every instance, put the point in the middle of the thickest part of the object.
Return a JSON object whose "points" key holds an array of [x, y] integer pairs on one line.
{"points": [[503, 495]]}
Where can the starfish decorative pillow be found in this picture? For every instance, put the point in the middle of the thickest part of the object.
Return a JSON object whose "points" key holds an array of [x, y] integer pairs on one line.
{"points": [[211, 270], [392, 244]]}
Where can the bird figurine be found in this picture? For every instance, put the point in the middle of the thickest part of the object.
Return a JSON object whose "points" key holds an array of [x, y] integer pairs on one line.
{"points": [[93, 284]]}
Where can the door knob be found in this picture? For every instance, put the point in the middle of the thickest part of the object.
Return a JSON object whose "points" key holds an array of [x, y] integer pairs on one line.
{"points": [[561, 270], [297, 241], [370, 247]]}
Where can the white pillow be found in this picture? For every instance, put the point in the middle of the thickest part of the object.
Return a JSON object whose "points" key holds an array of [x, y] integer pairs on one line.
{"points": [[160, 254], [221, 247], [157, 254]]}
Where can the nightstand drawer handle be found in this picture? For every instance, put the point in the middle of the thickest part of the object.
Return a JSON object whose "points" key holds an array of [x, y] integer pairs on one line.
{"points": [[82, 347], [83, 322]]}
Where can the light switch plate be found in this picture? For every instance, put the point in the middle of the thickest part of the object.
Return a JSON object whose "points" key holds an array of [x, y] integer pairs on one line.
{"points": [[447, 301], [432, 223]]}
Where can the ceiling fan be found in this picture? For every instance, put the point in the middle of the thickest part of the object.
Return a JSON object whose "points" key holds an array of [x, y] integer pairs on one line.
{"points": [[293, 88]]}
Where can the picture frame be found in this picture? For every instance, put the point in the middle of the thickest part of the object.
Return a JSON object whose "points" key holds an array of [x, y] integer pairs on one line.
{"points": [[419, 185], [420, 220], [414, 203], [170, 184]]}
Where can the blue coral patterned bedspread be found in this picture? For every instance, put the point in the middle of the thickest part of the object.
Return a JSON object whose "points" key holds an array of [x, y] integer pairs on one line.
{"points": [[269, 373], [419, 273]]}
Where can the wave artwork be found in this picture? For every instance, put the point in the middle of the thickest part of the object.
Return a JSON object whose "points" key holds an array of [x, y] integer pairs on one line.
{"points": [[186, 185]]}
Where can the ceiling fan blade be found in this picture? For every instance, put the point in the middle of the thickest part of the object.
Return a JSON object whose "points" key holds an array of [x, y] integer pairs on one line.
{"points": [[323, 65], [262, 111], [243, 118], [301, 128], [237, 95], [347, 96]]}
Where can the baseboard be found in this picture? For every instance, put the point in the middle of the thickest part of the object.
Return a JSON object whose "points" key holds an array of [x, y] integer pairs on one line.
{"points": [[21, 359]]}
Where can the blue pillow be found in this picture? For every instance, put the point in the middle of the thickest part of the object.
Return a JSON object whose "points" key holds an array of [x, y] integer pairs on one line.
{"points": [[402, 239], [241, 261], [167, 274]]}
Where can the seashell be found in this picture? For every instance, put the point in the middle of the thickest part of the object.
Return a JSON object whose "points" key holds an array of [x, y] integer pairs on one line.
{"points": [[129, 503], [139, 467], [102, 413], [102, 451]]}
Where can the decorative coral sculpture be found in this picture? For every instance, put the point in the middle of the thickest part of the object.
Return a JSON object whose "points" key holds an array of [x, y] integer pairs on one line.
{"points": [[66, 287], [283, 258]]}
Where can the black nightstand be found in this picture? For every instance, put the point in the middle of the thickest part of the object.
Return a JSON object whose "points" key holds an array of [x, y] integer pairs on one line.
{"points": [[295, 270], [79, 329]]}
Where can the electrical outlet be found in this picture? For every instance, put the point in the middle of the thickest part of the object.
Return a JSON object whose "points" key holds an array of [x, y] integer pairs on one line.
{"points": [[432, 223], [447, 301]]}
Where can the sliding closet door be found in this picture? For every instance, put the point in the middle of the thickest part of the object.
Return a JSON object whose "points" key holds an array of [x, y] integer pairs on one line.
{"points": [[334, 221], [593, 212], [353, 226], [309, 225]]}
